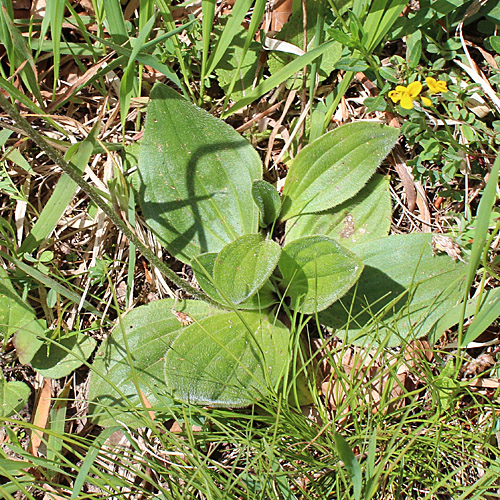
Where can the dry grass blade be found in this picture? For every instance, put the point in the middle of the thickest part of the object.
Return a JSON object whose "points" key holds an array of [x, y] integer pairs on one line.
{"points": [[41, 415]]}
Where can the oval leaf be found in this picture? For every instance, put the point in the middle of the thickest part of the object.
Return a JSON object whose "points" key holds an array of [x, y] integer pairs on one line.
{"points": [[403, 291], [228, 359], [267, 200], [365, 217], [242, 267], [13, 396], [149, 330], [60, 358], [18, 319], [317, 271], [335, 167], [195, 177], [203, 267]]}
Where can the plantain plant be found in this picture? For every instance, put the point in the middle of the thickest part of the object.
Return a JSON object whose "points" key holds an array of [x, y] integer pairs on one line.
{"points": [[200, 189]]}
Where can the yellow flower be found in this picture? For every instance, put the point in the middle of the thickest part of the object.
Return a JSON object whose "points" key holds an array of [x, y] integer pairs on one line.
{"points": [[426, 101], [406, 95], [436, 86]]}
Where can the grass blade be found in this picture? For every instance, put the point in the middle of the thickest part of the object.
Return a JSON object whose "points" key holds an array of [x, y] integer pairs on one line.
{"points": [[89, 460], [380, 20], [350, 463], [208, 8], [279, 77], [55, 13], [485, 317], [57, 422], [129, 85], [61, 197], [258, 12], [143, 58], [115, 21], [51, 284], [28, 71], [241, 7], [21, 97], [483, 217]]}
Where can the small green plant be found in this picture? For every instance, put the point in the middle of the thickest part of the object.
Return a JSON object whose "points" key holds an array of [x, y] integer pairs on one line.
{"points": [[201, 191]]}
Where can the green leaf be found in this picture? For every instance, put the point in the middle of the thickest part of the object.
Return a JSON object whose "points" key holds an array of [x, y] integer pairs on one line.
{"points": [[149, 331], [203, 267], [431, 14], [350, 63], [244, 71], [141, 57], [484, 210], [79, 155], [414, 49], [380, 19], [317, 271], [282, 75], [243, 266], [23, 59], [14, 466], [232, 29], [241, 57], [115, 21], [27, 341], [208, 14], [485, 317], [495, 43], [129, 84], [454, 314], [55, 12], [335, 167], [363, 218], [350, 463], [195, 177], [293, 32], [52, 284], [267, 200], [61, 357], [229, 359], [345, 39], [17, 318], [57, 423], [403, 291], [16, 157], [13, 397]]}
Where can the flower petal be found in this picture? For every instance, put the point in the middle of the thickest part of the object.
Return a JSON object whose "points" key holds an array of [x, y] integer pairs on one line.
{"points": [[395, 96], [426, 101], [441, 85], [436, 86], [414, 89], [431, 82], [406, 102]]}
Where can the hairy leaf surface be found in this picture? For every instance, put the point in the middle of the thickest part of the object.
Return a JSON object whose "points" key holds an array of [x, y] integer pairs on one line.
{"points": [[317, 271], [365, 217], [242, 267], [403, 290], [195, 177], [149, 331], [203, 267], [228, 359], [335, 167]]}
